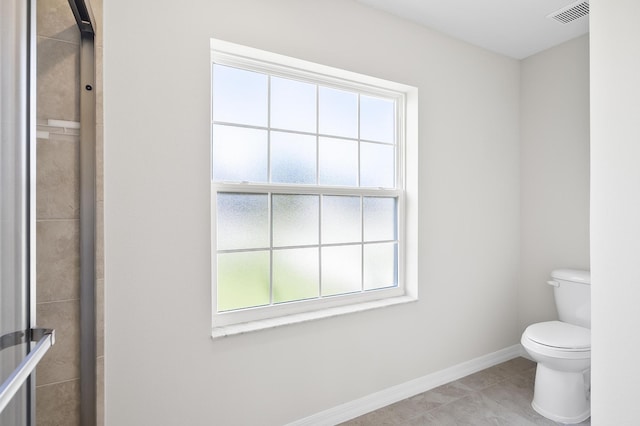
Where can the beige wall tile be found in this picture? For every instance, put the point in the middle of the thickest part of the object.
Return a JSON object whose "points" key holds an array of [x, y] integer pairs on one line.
{"points": [[58, 404], [62, 362], [100, 391], [96, 7], [99, 87], [99, 162], [100, 317], [57, 181], [100, 239], [56, 21], [57, 260], [58, 77]]}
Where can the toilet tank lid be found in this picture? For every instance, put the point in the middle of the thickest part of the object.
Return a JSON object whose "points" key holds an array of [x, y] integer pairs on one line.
{"points": [[573, 275]]}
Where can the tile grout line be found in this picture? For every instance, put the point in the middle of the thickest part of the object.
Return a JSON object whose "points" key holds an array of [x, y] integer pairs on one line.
{"points": [[58, 383], [59, 39], [57, 301]]}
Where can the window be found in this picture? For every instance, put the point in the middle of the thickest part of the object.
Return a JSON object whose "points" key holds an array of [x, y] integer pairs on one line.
{"points": [[307, 184]]}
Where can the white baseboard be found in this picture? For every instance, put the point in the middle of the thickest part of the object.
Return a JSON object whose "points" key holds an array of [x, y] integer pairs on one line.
{"points": [[388, 396]]}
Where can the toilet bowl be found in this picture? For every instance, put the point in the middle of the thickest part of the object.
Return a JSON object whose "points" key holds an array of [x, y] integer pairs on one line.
{"points": [[562, 350], [562, 386]]}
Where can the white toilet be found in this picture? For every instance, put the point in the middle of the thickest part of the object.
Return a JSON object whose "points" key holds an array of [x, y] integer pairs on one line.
{"points": [[562, 350]]}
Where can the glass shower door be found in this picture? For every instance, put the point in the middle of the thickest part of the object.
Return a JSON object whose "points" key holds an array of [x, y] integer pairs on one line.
{"points": [[21, 347], [14, 315]]}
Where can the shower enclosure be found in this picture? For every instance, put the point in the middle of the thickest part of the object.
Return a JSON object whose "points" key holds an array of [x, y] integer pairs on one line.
{"points": [[22, 344]]}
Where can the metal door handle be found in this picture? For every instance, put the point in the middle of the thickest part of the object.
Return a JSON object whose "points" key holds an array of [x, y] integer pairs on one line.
{"points": [[45, 338]]}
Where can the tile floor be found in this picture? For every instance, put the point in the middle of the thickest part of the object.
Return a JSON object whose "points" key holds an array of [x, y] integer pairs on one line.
{"points": [[500, 395]]}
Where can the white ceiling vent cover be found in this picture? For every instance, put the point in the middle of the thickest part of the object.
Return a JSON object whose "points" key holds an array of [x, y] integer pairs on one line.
{"points": [[570, 12]]}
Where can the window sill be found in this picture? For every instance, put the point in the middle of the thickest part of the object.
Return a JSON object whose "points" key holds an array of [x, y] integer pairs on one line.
{"points": [[231, 330]]}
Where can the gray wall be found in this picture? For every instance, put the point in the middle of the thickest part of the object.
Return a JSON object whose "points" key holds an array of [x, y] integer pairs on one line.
{"points": [[162, 367], [554, 159]]}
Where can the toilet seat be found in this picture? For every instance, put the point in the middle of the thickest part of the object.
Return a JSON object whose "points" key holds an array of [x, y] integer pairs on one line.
{"points": [[560, 335], [558, 339]]}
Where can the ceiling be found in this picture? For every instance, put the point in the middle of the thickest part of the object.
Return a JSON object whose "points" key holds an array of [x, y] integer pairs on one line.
{"points": [[515, 28]]}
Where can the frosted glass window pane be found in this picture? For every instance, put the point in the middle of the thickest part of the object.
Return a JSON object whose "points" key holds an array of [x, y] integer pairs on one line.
{"points": [[338, 112], [376, 165], [380, 269], [341, 269], [379, 218], [340, 219], [243, 280], [293, 158], [239, 154], [293, 105], [377, 119], [296, 274], [242, 221], [295, 220], [239, 96], [338, 162]]}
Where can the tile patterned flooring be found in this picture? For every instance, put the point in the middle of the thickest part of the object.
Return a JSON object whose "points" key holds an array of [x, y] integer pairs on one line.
{"points": [[500, 395]]}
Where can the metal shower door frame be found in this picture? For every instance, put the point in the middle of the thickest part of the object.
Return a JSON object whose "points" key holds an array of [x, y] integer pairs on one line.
{"points": [[88, 375]]}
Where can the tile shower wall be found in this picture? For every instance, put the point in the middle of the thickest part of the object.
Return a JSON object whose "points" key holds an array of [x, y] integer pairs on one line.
{"points": [[57, 214]]}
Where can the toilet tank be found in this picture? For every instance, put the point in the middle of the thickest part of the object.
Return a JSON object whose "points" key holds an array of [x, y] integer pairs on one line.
{"points": [[572, 292]]}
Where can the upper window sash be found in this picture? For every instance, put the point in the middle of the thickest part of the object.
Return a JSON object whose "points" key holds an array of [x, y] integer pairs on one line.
{"points": [[229, 54]]}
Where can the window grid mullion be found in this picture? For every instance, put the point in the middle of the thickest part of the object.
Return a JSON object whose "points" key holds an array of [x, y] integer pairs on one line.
{"points": [[351, 243], [361, 198], [396, 148], [269, 128], [321, 195], [358, 125], [270, 213], [297, 132], [320, 246], [238, 187], [317, 134], [362, 242], [269, 179]]}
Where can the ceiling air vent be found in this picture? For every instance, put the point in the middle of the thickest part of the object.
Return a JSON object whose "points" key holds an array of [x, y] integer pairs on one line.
{"points": [[570, 12]]}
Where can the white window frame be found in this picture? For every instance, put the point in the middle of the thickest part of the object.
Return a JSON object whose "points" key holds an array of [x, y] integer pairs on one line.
{"points": [[251, 319]]}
